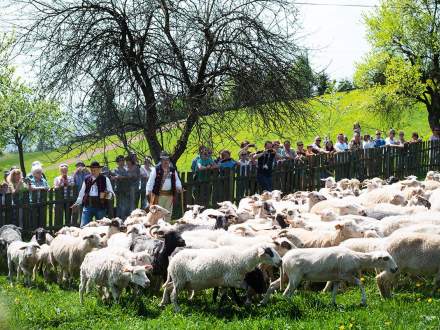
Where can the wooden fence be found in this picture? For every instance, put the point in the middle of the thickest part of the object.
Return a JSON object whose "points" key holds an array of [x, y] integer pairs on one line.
{"points": [[52, 209]]}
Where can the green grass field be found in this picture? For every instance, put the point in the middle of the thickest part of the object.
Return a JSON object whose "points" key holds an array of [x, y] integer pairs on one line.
{"points": [[335, 113], [49, 307]]}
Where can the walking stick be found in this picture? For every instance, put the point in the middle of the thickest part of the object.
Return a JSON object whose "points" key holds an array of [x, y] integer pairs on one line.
{"points": [[181, 202]]}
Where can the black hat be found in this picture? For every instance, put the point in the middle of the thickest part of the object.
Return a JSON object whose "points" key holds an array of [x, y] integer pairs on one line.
{"points": [[80, 163], [120, 157], [164, 155], [95, 164]]}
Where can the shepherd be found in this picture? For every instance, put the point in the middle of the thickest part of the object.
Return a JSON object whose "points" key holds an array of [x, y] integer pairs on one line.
{"points": [[164, 184], [95, 191]]}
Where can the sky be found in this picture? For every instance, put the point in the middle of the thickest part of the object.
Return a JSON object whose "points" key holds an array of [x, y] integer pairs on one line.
{"points": [[331, 29]]}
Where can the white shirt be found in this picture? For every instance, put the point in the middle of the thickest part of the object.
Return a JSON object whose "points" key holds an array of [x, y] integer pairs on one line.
{"points": [[341, 146], [94, 190], [390, 142], [368, 145], [166, 184], [145, 172]]}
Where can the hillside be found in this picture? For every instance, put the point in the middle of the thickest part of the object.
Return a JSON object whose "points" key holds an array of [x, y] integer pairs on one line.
{"points": [[335, 113]]}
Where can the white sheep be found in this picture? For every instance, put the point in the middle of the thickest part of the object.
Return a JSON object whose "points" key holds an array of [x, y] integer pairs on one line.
{"points": [[110, 272], [43, 262], [68, 252], [208, 268], [22, 257], [334, 264], [415, 254]]}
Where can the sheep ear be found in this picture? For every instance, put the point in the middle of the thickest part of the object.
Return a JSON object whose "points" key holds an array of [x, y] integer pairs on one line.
{"points": [[261, 252], [286, 245], [153, 209], [212, 216], [88, 236], [386, 258], [275, 241], [23, 248], [339, 226], [102, 234]]}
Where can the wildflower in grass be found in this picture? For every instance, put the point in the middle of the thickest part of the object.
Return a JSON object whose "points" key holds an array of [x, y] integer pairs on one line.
{"points": [[350, 325], [430, 300], [418, 299], [17, 301], [387, 322], [341, 327], [362, 279], [418, 284]]}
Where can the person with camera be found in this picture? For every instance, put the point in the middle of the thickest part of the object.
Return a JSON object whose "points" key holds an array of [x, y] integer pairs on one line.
{"points": [[96, 190], [265, 162]]}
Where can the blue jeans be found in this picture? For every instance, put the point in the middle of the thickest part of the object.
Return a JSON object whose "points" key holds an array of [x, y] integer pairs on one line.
{"points": [[265, 182], [89, 212]]}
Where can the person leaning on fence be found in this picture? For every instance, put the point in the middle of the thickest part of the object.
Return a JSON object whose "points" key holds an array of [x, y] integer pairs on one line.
{"points": [[226, 161], [415, 138], [164, 184], [15, 181], [300, 151], [64, 180], [356, 142], [378, 141], [145, 171], [286, 152], [121, 182], [202, 149], [391, 139], [265, 162], [329, 146], [367, 143], [341, 145], [94, 194]]}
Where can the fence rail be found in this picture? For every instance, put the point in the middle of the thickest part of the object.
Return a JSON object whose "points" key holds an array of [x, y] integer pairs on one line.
{"points": [[51, 209]]}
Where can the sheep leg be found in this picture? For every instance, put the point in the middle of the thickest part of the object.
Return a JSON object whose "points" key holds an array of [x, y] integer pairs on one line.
{"points": [[34, 272], [115, 293], [436, 284], [18, 273], [363, 294], [334, 291], [384, 282], [81, 290], [294, 280], [215, 294], [166, 295], [174, 295], [328, 286], [193, 293], [10, 267], [275, 285]]}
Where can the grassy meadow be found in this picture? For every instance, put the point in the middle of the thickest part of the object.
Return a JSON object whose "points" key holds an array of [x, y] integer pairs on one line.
{"points": [[334, 113], [48, 307]]}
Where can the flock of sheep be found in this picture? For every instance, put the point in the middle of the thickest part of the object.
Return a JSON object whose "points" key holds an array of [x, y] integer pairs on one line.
{"points": [[266, 243]]}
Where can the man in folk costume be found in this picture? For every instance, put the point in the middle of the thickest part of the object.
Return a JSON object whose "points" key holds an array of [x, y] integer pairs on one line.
{"points": [[95, 191], [164, 184]]}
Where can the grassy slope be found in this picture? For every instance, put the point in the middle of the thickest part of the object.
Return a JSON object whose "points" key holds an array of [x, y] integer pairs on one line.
{"points": [[336, 113], [49, 307]]}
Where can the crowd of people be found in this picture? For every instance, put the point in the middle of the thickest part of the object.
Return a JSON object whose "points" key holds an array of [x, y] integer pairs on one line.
{"points": [[274, 152]]}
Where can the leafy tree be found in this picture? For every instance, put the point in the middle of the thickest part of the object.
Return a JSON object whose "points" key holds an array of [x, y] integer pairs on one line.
{"points": [[323, 82], [344, 85], [173, 60], [404, 65], [27, 117]]}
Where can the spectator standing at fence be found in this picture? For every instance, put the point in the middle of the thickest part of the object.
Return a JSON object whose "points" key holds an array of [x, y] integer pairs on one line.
{"points": [[194, 162], [378, 141], [435, 134], [205, 162], [367, 143], [265, 162], [316, 146], [134, 175], [122, 188], [415, 138], [341, 145], [329, 147], [36, 164], [226, 161], [94, 194], [391, 139], [145, 172], [401, 141], [80, 174], [37, 181], [64, 180], [309, 151], [15, 181], [244, 162], [164, 184], [287, 153], [300, 151], [356, 142]]}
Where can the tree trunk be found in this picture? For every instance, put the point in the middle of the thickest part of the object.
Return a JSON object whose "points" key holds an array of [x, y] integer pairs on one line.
{"points": [[19, 144], [434, 111]]}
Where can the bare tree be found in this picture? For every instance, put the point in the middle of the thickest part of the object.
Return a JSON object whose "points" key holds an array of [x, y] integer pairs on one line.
{"points": [[173, 61]]}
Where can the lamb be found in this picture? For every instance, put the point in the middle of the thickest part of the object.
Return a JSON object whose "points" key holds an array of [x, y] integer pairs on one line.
{"points": [[8, 234], [314, 198], [134, 258], [382, 195], [43, 262], [433, 229], [109, 271], [223, 267], [22, 258], [42, 236], [123, 240], [339, 206], [156, 213], [415, 254], [193, 211], [316, 239], [364, 244], [68, 252], [334, 264]]}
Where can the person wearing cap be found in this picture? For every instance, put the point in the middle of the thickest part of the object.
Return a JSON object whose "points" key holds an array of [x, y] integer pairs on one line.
{"points": [[378, 141], [391, 139], [63, 180], [80, 174], [95, 191], [122, 188], [435, 134], [164, 184]]}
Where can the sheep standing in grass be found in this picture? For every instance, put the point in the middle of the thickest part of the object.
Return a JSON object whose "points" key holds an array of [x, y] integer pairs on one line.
{"points": [[209, 268], [329, 264], [22, 258], [68, 252], [110, 272]]}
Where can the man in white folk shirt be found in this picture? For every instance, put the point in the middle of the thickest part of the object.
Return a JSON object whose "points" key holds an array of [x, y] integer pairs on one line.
{"points": [[164, 184], [95, 191]]}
